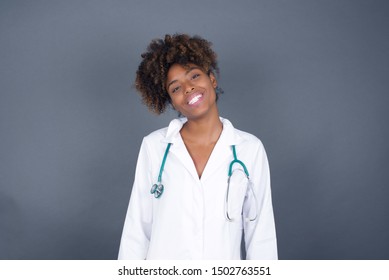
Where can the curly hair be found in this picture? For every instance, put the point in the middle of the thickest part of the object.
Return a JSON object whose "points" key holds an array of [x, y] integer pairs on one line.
{"points": [[160, 56]]}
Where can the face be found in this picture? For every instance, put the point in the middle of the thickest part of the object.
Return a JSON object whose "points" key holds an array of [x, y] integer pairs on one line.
{"points": [[192, 91]]}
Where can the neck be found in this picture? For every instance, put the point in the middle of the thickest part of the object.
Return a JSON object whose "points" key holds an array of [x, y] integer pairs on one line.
{"points": [[205, 130]]}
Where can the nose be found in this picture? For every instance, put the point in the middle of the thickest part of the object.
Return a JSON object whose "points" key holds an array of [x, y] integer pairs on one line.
{"points": [[189, 89]]}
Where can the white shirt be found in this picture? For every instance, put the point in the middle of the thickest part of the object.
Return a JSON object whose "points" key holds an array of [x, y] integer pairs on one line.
{"points": [[189, 220]]}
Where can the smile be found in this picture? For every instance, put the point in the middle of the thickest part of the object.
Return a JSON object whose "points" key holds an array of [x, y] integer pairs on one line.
{"points": [[195, 99]]}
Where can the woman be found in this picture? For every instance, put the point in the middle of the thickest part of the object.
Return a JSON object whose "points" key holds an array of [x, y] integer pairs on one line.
{"points": [[183, 204]]}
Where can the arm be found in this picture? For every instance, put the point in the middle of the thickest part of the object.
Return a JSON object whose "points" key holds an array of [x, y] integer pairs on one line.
{"points": [[137, 226], [260, 235]]}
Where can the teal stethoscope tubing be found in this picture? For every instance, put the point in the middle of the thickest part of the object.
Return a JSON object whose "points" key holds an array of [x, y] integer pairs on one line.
{"points": [[158, 188], [250, 186]]}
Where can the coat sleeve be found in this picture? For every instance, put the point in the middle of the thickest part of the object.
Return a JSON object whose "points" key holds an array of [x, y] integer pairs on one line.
{"points": [[135, 239], [260, 235]]}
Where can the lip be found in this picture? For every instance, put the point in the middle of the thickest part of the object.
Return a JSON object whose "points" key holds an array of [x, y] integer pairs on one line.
{"points": [[195, 99]]}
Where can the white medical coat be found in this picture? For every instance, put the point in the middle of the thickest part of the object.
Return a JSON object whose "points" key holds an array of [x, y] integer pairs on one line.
{"points": [[189, 220]]}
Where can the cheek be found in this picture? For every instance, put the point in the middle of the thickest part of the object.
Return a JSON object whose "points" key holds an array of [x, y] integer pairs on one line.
{"points": [[213, 94], [174, 102]]}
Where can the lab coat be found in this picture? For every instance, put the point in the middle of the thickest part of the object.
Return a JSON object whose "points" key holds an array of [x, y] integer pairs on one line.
{"points": [[189, 220]]}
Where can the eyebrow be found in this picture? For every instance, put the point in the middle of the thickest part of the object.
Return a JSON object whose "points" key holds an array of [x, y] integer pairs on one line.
{"points": [[186, 73]]}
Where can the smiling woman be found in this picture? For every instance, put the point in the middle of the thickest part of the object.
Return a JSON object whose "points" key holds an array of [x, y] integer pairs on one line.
{"points": [[160, 56], [217, 177], [191, 90]]}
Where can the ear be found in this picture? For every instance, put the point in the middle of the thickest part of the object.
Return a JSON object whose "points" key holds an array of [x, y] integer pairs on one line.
{"points": [[213, 80]]}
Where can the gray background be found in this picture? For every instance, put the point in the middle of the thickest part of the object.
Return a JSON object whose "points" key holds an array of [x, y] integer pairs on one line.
{"points": [[309, 78]]}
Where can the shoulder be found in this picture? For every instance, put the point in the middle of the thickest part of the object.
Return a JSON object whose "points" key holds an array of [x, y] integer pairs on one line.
{"points": [[242, 137], [167, 134], [157, 135], [153, 144], [250, 142], [246, 136], [251, 150]]}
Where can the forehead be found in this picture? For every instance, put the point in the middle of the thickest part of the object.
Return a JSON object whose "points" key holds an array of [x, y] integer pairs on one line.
{"points": [[178, 70]]}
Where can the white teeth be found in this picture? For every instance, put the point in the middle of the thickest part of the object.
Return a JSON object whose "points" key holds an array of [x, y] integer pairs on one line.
{"points": [[194, 99]]}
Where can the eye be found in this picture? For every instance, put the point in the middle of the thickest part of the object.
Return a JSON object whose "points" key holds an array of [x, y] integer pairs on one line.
{"points": [[195, 76], [176, 89]]}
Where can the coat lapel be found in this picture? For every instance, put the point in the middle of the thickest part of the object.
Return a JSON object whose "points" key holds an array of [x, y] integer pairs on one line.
{"points": [[219, 156], [222, 152], [178, 149]]}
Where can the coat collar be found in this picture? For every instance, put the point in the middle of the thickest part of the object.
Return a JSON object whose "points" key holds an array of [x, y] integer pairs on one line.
{"points": [[229, 134], [228, 137]]}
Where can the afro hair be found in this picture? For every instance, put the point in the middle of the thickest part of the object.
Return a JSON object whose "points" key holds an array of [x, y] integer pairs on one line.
{"points": [[161, 54]]}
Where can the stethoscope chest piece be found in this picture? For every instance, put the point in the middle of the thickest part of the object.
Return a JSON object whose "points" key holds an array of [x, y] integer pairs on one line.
{"points": [[157, 190]]}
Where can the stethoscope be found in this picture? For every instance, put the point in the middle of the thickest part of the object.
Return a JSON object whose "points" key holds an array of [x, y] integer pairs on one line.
{"points": [[249, 183], [157, 189]]}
